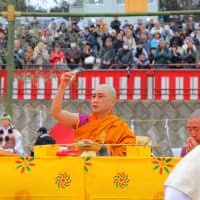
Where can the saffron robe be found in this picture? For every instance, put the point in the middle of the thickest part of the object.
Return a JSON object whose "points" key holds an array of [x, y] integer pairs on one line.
{"points": [[115, 129]]}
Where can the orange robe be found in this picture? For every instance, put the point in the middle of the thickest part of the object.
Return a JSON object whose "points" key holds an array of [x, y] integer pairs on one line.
{"points": [[116, 132]]}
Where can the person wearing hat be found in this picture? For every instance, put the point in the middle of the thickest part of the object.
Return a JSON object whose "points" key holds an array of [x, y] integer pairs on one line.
{"points": [[43, 137], [10, 137]]}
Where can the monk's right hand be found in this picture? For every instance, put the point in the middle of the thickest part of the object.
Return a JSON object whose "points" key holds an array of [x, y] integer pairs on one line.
{"points": [[67, 78]]}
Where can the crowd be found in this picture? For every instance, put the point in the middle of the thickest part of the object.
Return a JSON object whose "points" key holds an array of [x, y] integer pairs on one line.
{"points": [[102, 45]]}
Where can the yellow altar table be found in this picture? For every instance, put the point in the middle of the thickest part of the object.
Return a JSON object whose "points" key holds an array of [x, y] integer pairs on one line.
{"points": [[84, 178]]}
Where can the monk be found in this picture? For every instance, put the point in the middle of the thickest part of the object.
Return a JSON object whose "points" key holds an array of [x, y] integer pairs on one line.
{"points": [[193, 125], [101, 122]]}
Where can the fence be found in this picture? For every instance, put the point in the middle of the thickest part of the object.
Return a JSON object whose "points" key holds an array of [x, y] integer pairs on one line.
{"points": [[179, 84]]}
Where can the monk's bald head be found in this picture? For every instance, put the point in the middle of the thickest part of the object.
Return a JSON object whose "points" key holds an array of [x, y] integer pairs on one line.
{"points": [[109, 89]]}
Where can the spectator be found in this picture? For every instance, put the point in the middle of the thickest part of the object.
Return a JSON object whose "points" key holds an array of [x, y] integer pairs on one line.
{"points": [[18, 55], [129, 37], [151, 55], [145, 41], [118, 43], [73, 56], [90, 38], [162, 55], [176, 40], [115, 24], [28, 58], [57, 58], [10, 137], [142, 61], [155, 40], [157, 29], [3, 46], [124, 57], [139, 50], [88, 56], [43, 137], [105, 35], [41, 56], [189, 52], [107, 55], [176, 57]]}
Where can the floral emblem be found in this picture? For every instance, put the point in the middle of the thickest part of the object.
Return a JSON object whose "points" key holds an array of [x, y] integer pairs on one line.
{"points": [[162, 164], [87, 163], [121, 180], [25, 163], [63, 180]]}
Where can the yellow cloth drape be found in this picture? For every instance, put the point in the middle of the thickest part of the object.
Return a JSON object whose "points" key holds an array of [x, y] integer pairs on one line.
{"points": [[79, 178]]}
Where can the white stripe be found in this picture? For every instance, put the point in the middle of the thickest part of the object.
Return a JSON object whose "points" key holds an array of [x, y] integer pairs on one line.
{"points": [[2, 84], [193, 88], [40, 88], [179, 88], [82, 88], [164, 88], [123, 88], [54, 85], [15, 88], [95, 82], [27, 88], [150, 87], [109, 81], [137, 88]]}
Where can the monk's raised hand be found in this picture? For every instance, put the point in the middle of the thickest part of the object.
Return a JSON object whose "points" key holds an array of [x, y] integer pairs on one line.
{"points": [[67, 78]]}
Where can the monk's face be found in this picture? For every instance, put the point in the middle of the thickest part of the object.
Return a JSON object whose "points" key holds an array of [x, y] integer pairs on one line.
{"points": [[194, 129], [102, 102]]}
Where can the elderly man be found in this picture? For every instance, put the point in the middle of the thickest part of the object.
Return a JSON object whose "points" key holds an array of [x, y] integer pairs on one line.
{"points": [[100, 122], [193, 126]]}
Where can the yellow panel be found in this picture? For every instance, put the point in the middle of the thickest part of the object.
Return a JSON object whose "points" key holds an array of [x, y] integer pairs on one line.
{"points": [[78, 178], [136, 6]]}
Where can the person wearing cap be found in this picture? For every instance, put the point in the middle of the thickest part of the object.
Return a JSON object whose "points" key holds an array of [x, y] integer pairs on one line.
{"points": [[43, 137], [10, 137]]}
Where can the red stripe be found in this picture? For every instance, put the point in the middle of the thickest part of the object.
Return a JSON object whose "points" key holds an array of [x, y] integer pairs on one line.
{"points": [[130, 87], [48, 89], [172, 87], [157, 86], [186, 86]]}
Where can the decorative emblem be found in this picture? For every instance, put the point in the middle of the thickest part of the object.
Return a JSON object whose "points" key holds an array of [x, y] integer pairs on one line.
{"points": [[63, 180], [162, 164], [121, 180], [25, 163]]}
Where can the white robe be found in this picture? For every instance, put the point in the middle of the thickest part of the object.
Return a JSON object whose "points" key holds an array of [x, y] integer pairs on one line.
{"points": [[185, 177]]}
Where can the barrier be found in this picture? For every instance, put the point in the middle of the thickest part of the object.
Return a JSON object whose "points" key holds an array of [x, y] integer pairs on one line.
{"points": [[84, 178], [182, 84]]}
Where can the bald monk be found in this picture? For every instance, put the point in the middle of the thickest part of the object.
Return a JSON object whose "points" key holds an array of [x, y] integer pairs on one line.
{"points": [[100, 122]]}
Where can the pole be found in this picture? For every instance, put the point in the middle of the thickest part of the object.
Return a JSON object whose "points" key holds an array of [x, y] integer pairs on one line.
{"points": [[10, 14], [10, 67]]}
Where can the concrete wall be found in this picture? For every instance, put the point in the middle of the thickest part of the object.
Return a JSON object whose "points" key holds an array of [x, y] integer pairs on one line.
{"points": [[149, 119]]}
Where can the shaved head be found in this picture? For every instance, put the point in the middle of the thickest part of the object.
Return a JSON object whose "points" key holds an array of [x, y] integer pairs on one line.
{"points": [[111, 90]]}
